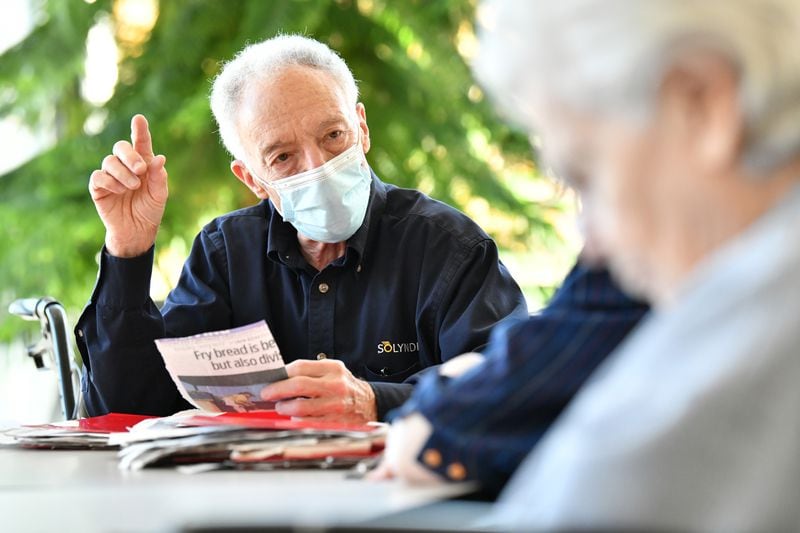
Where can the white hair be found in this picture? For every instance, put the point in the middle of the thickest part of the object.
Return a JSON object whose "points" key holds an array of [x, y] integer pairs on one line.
{"points": [[611, 56], [259, 61]]}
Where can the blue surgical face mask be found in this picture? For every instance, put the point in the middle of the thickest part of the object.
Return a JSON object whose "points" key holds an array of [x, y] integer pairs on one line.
{"points": [[327, 203]]}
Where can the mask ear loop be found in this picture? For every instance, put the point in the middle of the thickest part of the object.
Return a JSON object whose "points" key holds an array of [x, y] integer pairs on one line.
{"points": [[266, 185], [360, 134]]}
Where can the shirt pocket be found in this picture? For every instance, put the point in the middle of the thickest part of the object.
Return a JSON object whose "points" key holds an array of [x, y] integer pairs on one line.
{"points": [[391, 371]]}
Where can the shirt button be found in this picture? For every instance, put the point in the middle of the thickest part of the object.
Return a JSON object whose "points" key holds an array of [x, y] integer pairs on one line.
{"points": [[321, 356], [323, 288], [358, 268], [456, 472], [432, 458], [80, 333]]}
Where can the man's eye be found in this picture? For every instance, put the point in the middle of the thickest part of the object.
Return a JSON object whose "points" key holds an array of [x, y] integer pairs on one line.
{"points": [[335, 134], [281, 158]]}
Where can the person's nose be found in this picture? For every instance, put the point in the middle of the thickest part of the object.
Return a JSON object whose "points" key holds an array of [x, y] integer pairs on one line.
{"points": [[313, 157]]}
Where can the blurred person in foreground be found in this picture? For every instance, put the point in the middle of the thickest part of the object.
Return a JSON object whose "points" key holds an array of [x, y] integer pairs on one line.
{"points": [[363, 284], [479, 415], [677, 122]]}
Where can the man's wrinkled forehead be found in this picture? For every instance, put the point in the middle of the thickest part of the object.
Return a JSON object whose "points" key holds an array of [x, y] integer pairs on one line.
{"points": [[296, 88], [298, 97]]}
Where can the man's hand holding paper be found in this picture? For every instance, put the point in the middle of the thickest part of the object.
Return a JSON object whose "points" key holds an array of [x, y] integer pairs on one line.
{"points": [[323, 390], [242, 370]]}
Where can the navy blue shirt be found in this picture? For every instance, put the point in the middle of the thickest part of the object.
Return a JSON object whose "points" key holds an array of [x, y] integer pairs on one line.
{"points": [[487, 420], [419, 283]]}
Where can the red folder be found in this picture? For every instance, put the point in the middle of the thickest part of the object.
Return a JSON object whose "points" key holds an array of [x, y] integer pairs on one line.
{"points": [[110, 423], [271, 419]]}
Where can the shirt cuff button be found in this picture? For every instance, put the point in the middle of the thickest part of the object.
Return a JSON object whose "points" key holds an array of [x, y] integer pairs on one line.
{"points": [[321, 356], [456, 472], [432, 458]]}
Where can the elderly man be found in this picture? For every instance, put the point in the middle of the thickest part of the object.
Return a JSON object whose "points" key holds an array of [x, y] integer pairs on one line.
{"points": [[677, 122], [339, 264]]}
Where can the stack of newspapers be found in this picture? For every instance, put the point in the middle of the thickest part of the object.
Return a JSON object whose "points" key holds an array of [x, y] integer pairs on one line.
{"points": [[198, 440], [222, 374], [261, 440], [86, 433]]}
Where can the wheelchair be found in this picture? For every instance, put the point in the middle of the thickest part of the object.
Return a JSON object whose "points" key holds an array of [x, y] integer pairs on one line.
{"points": [[53, 349]]}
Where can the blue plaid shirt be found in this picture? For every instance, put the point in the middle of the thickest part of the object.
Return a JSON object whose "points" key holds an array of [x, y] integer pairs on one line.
{"points": [[419, 283], [488, 419]]}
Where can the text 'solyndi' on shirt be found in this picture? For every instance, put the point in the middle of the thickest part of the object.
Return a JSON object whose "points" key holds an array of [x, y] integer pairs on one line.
{"points": [[419, 283]]}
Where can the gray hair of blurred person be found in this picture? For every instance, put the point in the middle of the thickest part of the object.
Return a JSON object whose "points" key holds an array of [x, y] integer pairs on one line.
{"points": [[610, 56], [261, 61]]}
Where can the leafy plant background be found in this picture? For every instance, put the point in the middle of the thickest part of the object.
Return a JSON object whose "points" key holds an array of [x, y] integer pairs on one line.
{"points": [[432, 129]]}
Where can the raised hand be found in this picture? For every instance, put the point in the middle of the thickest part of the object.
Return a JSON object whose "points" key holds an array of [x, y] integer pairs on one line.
{"points": [[130, 192]]}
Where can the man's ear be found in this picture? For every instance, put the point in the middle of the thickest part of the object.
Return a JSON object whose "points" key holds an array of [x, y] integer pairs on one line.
{"points": [[700, 96], [240, 170], [361, 114]]}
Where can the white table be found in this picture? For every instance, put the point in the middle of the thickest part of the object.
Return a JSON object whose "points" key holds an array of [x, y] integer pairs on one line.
{"points": [[54, 490]]}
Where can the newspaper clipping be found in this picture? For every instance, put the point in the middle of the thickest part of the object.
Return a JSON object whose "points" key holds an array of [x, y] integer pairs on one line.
{"points": [[224, 371]]}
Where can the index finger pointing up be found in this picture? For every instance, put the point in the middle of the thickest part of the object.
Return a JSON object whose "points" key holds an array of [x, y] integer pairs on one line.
{"points": [[140, 137]]}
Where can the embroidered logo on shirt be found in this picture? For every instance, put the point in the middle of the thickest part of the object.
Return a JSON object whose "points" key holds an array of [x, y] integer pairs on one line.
{"points": [[397, 347]]}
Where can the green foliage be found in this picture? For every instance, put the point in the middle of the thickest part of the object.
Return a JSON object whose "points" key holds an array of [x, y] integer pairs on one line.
{"points": [[426, 130]]}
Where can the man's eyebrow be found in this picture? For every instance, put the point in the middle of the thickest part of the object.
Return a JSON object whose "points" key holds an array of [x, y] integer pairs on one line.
{"points": [[271, 147], [333, 121]]}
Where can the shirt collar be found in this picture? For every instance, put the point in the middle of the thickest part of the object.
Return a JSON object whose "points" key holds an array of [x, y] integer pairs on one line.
{"points": [[377, 205], [282, 245]]}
